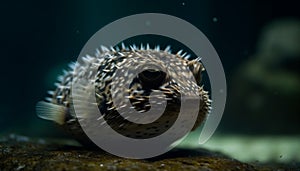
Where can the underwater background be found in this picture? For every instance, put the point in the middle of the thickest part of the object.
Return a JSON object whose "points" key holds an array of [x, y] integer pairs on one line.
{"points": [[258, 43]]}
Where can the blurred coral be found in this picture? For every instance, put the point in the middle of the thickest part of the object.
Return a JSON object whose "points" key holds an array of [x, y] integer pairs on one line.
{"points": [[265, 89]]}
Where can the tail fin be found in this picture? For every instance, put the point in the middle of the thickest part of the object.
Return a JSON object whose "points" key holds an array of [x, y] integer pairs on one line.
{"points": [[50, 111]]}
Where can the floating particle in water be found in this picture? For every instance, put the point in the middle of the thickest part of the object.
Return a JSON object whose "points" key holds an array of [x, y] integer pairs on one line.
{"points": [[215, 19], [148, 23]]}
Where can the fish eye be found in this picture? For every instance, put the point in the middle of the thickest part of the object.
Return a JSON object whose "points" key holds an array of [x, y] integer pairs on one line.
{"points": [[151, 78]]}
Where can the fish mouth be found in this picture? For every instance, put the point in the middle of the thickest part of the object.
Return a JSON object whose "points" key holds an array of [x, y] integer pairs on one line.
{"points": [[152, 79], [152, 76]]}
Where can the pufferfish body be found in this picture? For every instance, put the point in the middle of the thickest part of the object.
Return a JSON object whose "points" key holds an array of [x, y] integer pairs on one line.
{"points": [[58, 106]]}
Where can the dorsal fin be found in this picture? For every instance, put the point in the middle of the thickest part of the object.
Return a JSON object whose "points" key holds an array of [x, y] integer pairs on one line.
{"points": [[52, 112]]}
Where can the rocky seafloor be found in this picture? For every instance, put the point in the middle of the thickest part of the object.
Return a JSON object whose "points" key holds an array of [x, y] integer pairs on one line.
{"points": [[23, 153]]}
